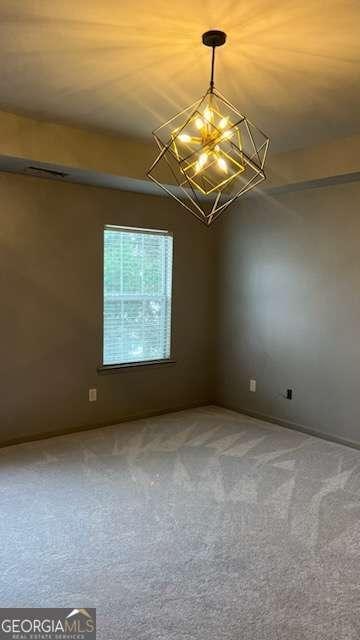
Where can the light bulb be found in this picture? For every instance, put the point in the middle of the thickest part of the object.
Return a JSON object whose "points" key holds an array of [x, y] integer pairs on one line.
{"points": [[184, 137], [228, 134], [208, 114], [223, 123], [199, 123], [203, 159], [222, 164]]}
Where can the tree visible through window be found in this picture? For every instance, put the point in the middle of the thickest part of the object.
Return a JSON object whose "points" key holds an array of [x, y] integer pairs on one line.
{"points": [[137, 295]]}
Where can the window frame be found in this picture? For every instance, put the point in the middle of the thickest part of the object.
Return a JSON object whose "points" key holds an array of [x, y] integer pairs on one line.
{"points": [[114, 368]]}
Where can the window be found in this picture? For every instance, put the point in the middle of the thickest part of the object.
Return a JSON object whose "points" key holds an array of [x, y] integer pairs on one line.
{"points": [[137, 295]]}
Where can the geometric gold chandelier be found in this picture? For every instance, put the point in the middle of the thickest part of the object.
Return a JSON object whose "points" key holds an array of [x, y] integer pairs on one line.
{"points": [[209, 153]]}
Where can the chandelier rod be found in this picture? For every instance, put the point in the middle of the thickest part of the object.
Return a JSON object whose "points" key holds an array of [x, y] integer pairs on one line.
{"points": [[212, 70], [213, 39]]}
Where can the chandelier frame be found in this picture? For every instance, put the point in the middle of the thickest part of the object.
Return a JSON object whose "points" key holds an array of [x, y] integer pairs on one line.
{"points": [[247, 154]]}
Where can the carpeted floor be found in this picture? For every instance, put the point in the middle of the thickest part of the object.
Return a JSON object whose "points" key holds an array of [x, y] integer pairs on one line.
{"points": [[196, 525]]}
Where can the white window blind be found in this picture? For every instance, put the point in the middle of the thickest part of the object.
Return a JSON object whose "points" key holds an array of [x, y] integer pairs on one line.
{"points": [[137, 295]]}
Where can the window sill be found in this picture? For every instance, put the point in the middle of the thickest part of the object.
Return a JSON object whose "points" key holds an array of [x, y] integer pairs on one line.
{"points": [[116, 368]]}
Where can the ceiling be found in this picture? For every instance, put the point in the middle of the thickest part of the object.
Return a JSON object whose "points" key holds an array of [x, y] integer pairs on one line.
{"points": [[292, 66]]}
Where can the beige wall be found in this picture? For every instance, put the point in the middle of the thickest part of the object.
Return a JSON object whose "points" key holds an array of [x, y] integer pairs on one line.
{"points": [[50, 321], [124, 161], [72, 147], [287, 270], [289, 308]]}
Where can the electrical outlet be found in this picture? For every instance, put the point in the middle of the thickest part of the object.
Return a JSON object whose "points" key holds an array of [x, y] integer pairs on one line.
{"points": [[289, 394], [252, 386], [92, 395]]}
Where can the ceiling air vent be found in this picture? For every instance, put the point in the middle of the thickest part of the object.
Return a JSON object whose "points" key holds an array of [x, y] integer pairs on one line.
{"points": [[45, 173]]}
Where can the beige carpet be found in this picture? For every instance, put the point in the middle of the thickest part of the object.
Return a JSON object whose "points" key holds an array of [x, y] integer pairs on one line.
{"points": [[196, 525]]}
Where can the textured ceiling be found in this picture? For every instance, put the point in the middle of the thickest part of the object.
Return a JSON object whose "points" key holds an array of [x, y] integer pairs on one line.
{"points": [[291, 65]]}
